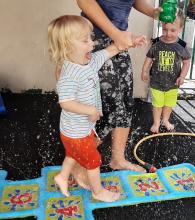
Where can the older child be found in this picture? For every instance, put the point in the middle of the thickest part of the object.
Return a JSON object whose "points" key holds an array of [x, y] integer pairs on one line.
{"points": [[79, 97], [168, 61]]}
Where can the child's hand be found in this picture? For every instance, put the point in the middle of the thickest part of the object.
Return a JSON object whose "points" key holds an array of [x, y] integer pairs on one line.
{"points": [[180, 81], [139, 41], [95, 115], [145, 76]]}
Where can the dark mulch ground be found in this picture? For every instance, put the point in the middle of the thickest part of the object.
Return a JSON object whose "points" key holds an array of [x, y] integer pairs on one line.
{"points": [[29, 141]]}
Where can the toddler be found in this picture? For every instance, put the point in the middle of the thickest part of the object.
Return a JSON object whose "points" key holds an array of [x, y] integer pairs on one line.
{"points": [[70, 46], [168, 61]]}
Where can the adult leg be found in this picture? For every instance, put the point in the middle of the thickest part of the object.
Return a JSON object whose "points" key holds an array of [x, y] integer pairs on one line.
{"points": [[116, 80], [118, 161], [123, 113], [61, 179]]}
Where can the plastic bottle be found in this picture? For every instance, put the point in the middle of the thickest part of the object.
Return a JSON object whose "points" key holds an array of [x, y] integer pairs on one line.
{"points": [[169, 11]]}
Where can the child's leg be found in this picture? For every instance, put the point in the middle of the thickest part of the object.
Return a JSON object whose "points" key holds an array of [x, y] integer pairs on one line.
{"points": [[157, 111], [157, 103], [166, 115], [62, 178], [170, 102], [80, 175], [84, 151], [98, 192]]}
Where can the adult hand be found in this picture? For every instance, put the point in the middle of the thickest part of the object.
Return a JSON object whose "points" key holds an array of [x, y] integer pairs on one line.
{"points": [[123, 40], [157, 12]]}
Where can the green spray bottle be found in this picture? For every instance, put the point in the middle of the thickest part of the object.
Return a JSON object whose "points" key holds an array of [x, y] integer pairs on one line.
{"points": [[169, 11]]}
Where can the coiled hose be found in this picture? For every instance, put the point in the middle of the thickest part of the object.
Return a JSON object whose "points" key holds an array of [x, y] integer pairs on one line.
{"points": [[149, 167]]}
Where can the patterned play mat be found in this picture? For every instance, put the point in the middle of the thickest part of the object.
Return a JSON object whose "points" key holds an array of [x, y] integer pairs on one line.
{"points": [[40, 197]]}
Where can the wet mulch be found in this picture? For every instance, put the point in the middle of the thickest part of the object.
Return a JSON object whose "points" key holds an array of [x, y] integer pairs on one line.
{"points": [[29, 141]]}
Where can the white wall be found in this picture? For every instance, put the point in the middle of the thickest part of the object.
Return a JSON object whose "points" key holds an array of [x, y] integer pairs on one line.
{"points": [[24, 61], [139, 24]]}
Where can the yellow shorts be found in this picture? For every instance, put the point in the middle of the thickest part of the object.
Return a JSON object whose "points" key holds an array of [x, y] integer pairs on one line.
{"points": [[161, 99]]}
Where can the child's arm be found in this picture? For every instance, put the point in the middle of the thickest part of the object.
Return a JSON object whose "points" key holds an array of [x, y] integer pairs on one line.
{"points": [[145, 69], [184, 71], [112, 50], [82, 109]]}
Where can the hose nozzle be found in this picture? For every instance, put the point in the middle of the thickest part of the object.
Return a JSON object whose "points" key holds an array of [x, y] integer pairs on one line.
{"points": [[150, 168]]}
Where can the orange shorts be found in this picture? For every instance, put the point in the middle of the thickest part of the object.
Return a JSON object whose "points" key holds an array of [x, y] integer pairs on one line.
{"points": [[83, 150]]}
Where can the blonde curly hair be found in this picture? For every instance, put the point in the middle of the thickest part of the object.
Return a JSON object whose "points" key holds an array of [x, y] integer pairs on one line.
{"points": [[61, 32]]}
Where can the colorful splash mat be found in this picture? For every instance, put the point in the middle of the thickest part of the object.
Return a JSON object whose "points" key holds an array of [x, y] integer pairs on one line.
{"points": [[41, 198]]}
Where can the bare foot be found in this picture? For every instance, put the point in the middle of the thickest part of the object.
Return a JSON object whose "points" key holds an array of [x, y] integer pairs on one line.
{"points": [[155, 128], [169, 126], [62, 184], [106, 196], [126, 165]]}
